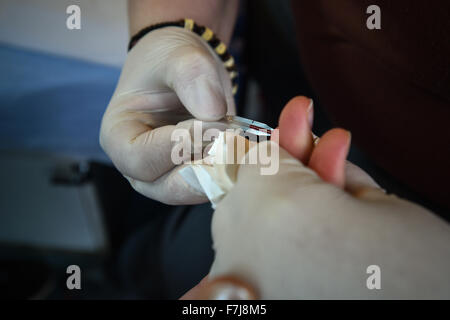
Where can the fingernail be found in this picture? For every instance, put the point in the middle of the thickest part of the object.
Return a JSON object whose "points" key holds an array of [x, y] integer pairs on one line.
{"points": [[310, 111], [275, 136], [228, 291]]}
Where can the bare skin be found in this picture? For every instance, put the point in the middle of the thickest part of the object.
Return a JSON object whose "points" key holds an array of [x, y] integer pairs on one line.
{"points": [[410, 242], [218, 15]]}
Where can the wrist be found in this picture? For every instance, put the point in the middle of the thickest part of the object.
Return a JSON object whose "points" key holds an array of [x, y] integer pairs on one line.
{"points": [[218, 15]]}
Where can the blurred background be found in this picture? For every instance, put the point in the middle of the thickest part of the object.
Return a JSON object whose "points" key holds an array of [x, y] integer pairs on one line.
{"points": [[61, 201]]}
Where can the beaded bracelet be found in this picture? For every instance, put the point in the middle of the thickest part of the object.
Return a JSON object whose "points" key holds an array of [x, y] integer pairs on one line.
{"points": [[207, 34]]}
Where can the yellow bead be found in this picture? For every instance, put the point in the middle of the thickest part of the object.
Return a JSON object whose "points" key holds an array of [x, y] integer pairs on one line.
{"points": [[208, 34], [221, 48], [189, 24], [235, 89], [229, 63]]}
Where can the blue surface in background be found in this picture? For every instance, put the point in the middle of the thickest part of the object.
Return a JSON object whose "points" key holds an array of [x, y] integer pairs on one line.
{"points": [[53, 104]]}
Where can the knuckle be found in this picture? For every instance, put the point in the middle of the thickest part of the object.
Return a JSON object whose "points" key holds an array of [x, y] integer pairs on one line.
{"points": [[192, 64]]}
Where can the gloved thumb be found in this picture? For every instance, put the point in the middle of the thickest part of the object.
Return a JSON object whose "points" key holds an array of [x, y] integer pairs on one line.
{"points": [[200, 84]]}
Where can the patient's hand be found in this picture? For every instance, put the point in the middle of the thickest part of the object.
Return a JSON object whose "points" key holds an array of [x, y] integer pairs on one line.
{"points": [[313, 232]]}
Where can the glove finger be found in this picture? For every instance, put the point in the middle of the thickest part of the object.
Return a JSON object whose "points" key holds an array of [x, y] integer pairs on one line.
{"points": [[181, 62], [137, 150], [200, 81], [171, 188], [145, 154]]}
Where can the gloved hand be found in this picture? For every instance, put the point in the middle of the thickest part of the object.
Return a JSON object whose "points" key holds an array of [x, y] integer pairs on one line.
{"points": [[169, 76], [295, 235]]}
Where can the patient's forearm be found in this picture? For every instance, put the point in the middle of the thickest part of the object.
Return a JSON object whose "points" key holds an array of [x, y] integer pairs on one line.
{"points": [[219, 15]]}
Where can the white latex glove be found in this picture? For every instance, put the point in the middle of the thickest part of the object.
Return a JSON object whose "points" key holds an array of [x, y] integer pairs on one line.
{"points": [[291, 235], [169, 76]]}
